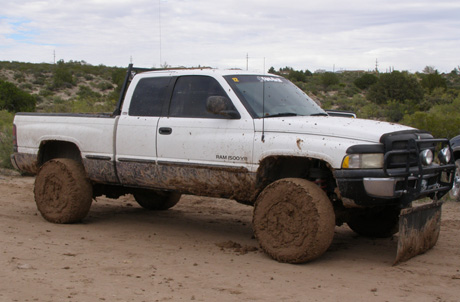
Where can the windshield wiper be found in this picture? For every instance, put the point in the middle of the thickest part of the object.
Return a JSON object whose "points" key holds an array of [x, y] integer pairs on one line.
{"points": [[282, 114], [319, 114]]}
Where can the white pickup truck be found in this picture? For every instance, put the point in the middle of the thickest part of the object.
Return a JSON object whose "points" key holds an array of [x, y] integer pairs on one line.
{"points": [[254, 138]]}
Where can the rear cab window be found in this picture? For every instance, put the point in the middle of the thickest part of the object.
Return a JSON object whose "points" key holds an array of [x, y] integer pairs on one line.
{"points": [[149, 96]]}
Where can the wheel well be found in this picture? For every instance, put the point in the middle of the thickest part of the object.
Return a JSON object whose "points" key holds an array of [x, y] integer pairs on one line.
{"points": [[457, 154], [58, 149], [277, 167], [314, 170]]}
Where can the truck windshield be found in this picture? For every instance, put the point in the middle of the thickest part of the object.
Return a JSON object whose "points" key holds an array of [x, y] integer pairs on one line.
{"points": [[270, 96]]}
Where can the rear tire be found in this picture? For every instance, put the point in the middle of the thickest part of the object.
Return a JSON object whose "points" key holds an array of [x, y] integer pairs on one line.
{"points": [[63, 192], [454, 193], [156, 200], [293, 220]]}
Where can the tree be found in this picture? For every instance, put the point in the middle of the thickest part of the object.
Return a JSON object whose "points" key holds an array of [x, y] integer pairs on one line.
{"points": [[429, 70], [62, 76], [432, 81], [399, 86], [441, 121], [297, 76], [329, 79], [365, 81], [14, 99]]}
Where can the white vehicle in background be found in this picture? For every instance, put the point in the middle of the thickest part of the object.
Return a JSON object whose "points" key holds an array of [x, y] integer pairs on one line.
{"points": [[254, 138]]}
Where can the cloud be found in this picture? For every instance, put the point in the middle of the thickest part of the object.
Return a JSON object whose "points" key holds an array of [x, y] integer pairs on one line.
{"points": [[350, 35]]}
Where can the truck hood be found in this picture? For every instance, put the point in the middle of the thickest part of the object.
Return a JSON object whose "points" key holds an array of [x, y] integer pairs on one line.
{"points": [[350, 128]]}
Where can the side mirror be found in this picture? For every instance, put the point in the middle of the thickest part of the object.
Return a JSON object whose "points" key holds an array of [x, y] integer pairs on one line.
{"points": [[221, 105]]}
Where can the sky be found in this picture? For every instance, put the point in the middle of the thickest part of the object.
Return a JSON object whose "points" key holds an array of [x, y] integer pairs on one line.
{"points": [[331, 35]]}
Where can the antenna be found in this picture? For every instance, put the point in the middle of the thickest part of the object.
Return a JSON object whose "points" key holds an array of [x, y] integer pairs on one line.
{"points": [[159, 25], [247, 61], [263, 111]]}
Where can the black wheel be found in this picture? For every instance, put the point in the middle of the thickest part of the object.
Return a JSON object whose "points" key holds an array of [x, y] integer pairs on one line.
{"points": [[293, 220], [455, 191], [156, 200], [63, 193], [377, 223]]}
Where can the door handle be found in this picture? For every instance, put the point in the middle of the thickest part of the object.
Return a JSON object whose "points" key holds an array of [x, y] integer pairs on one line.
{"points": [[165, 130]]}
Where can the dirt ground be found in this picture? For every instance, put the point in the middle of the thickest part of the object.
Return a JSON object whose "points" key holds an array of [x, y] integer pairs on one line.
{"points": [[201, 250]]}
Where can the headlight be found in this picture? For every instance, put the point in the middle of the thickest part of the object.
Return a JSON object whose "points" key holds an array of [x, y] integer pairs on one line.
{"points": [[427, 157], [445, 156], [363, 161]]}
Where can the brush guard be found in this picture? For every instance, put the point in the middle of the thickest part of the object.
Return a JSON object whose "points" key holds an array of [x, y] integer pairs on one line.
{"points": [[419, 226]]}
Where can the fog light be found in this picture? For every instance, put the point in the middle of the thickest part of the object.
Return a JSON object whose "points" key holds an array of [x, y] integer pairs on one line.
{"points": [[445, 156], [426, 157]]}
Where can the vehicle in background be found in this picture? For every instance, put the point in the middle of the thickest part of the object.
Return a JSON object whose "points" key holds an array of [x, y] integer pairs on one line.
{"points": [[455, 191]]}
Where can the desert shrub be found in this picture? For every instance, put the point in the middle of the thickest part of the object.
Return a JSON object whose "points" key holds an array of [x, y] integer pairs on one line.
{"points": [[87, 92], [365, 81], [398, 86], [329, 79], [62, 77], [441, 120], [14, 99], [432, 81], [6, 138]]}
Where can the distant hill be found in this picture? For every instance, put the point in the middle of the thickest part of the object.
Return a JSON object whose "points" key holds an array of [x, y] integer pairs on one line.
{"points": [[422, 100]]}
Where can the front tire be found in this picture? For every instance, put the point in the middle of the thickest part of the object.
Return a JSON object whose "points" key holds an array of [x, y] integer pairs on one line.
{"points": [[293, 220], [156, 200], [63, 192], [454, 193]]}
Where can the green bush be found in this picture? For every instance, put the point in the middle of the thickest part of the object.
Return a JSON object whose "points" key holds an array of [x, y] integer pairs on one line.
{"points": [[432, 81], [398, 86], [365, 81], [6, 138], [441, 120], [14, 99], [62, 77], [86, 92], [329, 79]]}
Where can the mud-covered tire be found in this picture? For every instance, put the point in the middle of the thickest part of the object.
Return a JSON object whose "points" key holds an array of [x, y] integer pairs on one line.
{"points": [[373, 223], [293, 220], [454, 193], [63, 192], [156, 200]]}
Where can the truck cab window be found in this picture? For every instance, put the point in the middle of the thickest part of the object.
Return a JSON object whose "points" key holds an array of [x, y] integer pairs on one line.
{"points": [[191, 94], [148, 96]]}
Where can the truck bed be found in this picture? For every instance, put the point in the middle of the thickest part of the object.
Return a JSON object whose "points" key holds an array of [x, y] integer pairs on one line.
{"points": [[93, 134]]}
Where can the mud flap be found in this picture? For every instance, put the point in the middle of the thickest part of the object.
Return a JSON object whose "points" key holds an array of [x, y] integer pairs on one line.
{"points": [[418, 230]]}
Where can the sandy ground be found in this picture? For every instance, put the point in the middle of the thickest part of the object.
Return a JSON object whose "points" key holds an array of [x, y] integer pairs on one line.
{"points": [[190, 253]]}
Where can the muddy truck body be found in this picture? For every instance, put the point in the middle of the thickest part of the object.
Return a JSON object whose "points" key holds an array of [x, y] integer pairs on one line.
{"points": [[254, 138]]}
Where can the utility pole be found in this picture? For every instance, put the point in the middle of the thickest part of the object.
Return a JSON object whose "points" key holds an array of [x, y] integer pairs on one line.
{"points": [[376, 65], [54, 56]]}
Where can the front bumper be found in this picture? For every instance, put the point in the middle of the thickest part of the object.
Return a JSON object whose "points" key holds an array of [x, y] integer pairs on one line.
{"points": [[403, 177], [372, 187]]}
